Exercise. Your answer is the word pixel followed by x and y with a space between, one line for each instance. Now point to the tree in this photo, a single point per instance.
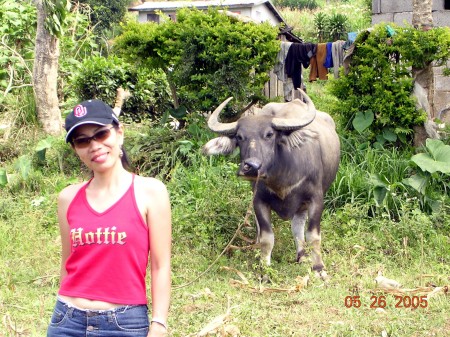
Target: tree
pixel 45 74
pixel 424 77
pixel 51 15
pixel 106 13
pixel 422 14
pixel 207 57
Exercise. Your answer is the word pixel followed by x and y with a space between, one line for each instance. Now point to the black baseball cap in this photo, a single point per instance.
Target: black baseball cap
pixel 92 111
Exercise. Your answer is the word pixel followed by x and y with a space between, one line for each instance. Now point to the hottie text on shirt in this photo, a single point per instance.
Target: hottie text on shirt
pixel 101 236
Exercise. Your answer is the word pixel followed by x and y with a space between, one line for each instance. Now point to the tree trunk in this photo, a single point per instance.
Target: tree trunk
pixel 422 18
pixel 422 14
pixel 45 75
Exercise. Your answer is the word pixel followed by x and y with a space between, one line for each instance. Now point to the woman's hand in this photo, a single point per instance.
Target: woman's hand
pixel 157 330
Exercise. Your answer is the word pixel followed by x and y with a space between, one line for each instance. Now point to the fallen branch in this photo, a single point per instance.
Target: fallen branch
pixel 422 291
pixel 302 282
pixel 216 323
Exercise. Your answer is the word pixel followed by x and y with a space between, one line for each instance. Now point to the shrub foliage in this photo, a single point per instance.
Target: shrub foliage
pixel 207 56
pixel 99 77
pixel 376 93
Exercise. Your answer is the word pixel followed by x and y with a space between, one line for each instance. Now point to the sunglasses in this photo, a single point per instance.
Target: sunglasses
pixel 99 136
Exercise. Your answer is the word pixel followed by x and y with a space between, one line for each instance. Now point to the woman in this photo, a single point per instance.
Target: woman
pixel 109 226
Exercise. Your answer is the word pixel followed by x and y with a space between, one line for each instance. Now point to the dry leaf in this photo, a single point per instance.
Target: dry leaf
pixel 302 282
pixel 243 278
pixel 231 330
pixel 437 291
pixel 216 323
pixel 205 293
pixel 213 325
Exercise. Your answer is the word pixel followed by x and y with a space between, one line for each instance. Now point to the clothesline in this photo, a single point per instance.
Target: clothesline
pixel 320 57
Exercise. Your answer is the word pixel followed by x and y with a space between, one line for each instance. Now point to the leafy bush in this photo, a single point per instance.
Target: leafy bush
pixel 209 202
pixel 28 170
pixel 17 31
pixel 207 56
pixel 76 44
pixel 106 13
pixel 99 77
pixel 320 23
pixel 375 96
pixel 432 177
pixel 330 27
pixel 371 177
pixel 337 26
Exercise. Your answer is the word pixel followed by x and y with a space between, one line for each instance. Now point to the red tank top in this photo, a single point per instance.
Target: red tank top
pixel 109 251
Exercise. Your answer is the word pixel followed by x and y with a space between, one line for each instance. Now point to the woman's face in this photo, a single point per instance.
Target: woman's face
pixel 98 146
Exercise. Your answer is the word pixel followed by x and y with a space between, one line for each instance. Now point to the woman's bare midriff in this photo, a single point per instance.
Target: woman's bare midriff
pixel 84 303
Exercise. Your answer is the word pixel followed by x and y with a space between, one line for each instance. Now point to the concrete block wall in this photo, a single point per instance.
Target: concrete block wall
pixel 400 12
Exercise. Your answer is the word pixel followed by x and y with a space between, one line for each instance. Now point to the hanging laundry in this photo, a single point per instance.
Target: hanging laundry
pixel 317 68
pixel 329 58
pixel 352 36
pixel 299 55
pixel 279 70
pixel 337 50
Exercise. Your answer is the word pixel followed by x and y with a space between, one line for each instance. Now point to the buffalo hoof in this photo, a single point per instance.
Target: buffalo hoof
pixel 301 256
pixel 322 275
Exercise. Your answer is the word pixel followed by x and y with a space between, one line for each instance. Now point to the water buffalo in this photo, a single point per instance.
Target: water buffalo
pixel 290 152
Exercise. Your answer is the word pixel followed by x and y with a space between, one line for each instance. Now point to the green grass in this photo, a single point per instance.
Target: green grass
pixel 360 238
pixel 357 13
pixel 209 203
pixel 354 255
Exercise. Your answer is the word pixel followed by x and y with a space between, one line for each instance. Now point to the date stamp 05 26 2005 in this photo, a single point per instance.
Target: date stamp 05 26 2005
pixel 408 302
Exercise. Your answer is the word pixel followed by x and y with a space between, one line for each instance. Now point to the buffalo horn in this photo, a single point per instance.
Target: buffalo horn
pixel 308 100
pixel 218 127
pixel 291 124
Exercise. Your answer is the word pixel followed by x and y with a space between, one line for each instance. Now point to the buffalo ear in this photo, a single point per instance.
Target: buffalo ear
pixel 220 145
pixel 299 138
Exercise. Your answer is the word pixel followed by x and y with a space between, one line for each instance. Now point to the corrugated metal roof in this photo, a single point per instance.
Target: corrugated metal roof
pixel 152 5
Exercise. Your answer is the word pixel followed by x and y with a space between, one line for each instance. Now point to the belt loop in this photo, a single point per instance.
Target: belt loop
pixel 70 311
pixel 111 315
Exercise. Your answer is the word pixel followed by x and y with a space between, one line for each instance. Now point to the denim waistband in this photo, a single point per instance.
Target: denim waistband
pixel 93 312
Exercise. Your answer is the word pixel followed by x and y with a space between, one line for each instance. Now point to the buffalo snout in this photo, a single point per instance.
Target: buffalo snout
pixel 250 167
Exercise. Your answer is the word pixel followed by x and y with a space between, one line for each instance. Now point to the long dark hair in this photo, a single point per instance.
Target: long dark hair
pixel 126 161
pixel 124 156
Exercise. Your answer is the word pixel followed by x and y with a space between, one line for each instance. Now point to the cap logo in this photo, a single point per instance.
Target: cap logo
pixel 79 111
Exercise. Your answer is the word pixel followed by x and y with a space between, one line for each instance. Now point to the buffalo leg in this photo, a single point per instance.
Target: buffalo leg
pixel 266 237
pixel 298 232
pixel 313 237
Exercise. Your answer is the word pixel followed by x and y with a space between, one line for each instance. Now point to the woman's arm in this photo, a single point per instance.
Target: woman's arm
pixel 160 235
pixel 64 199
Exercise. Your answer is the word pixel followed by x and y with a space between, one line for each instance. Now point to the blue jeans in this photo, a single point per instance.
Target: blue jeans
pixel 67 321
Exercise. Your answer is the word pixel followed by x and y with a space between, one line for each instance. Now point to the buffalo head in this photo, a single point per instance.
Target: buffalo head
pixel 261 138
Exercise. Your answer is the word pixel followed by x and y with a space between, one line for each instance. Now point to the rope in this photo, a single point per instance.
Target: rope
pixel 236 233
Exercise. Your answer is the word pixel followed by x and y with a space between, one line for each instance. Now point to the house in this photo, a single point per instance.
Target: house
pixel 255 10
pixel 399 12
